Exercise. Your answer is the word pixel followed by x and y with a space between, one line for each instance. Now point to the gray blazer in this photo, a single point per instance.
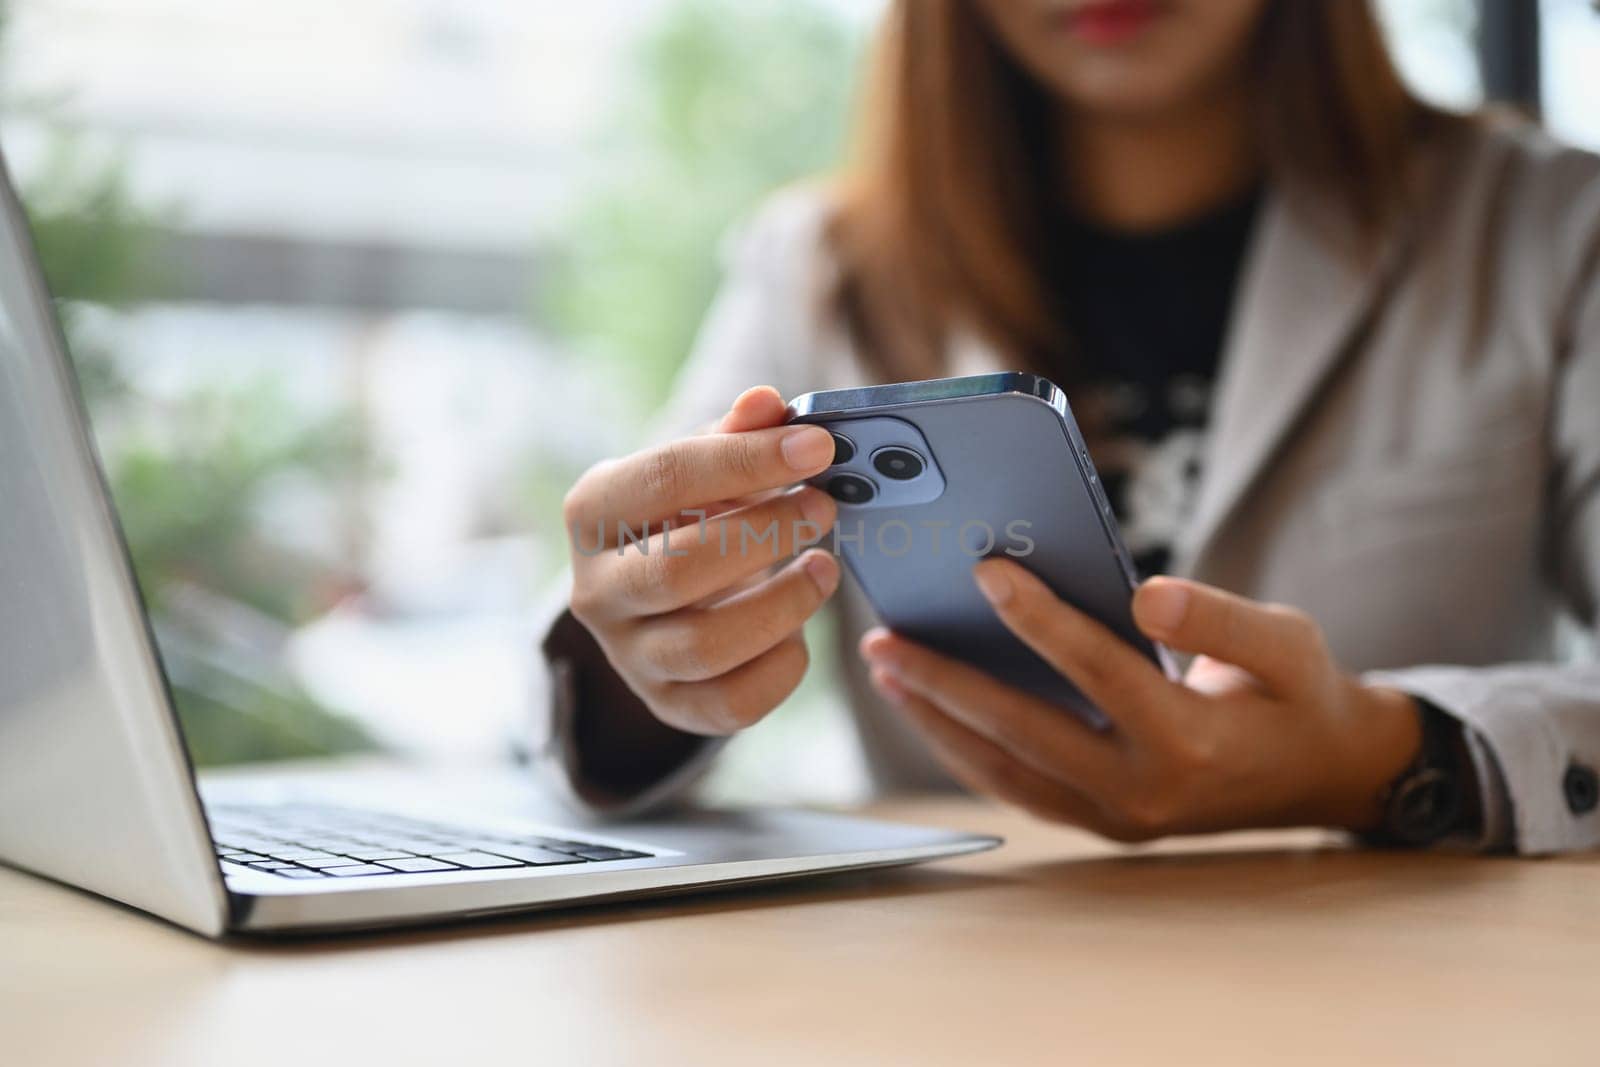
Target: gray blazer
pixel 1405 443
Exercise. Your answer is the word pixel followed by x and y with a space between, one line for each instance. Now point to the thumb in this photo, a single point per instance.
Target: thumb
pixel 755 409
pixel 1279 645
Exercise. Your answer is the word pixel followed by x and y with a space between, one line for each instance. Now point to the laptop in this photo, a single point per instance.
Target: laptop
pixel 97 790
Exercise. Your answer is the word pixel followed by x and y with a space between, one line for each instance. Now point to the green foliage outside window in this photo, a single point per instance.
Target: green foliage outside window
pixel 727 100
pixel 730 100
pixel 188 477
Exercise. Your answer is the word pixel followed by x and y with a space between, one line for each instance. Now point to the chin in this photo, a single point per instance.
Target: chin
pixel 1124 91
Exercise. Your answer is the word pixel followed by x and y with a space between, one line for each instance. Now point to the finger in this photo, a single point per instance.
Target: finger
pixel 740 698
pixel 985 767
pixel 755 409
pixel 687 565
pixel 712 510
pixel 1110 672
pixel 1049 739
pixel 669 479
pixel 1281 646
pixel 698 644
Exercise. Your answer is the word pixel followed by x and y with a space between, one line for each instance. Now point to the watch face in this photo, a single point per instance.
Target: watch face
pixel 1424 807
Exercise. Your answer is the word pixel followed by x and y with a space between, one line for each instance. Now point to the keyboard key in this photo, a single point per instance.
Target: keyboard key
pixel 323 861
pixel 478 860
pixel 250 844
pixel 247 857
pixel 417 864
pixel 541 857
pixel 599 854
pixel 298 854
pixel 570 847
pixel 297 872
pixel 422 846
pixel 360 868
pixel 271 865
pixel 378 854
pixel 515 839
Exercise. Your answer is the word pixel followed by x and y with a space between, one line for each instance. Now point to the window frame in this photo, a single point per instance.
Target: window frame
pixel 1508 46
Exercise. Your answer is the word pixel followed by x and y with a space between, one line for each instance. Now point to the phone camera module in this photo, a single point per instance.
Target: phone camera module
pixel 851 489
pixel 844 450
pixel 901 464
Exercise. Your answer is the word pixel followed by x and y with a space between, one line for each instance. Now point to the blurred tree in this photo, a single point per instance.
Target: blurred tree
pixel 194 473
pixel 90 239
pixel 730 99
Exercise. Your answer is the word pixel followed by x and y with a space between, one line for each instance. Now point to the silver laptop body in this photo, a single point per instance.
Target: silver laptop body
pixel 96 788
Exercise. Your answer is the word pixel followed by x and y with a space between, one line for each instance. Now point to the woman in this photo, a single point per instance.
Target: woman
pixel 1336 351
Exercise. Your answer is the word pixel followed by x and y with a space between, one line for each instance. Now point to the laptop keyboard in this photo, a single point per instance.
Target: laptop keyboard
pixel 304 841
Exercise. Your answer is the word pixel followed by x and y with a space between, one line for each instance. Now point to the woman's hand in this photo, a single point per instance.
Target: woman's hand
pixel 1265 730
pixel 691 619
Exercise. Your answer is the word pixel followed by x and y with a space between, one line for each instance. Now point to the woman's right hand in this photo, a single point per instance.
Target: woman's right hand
pixel 692 620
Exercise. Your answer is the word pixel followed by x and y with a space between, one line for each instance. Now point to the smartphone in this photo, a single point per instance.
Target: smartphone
pixel 933 476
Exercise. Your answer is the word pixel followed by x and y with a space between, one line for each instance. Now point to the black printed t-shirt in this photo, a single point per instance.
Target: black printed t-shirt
pixel 1147 312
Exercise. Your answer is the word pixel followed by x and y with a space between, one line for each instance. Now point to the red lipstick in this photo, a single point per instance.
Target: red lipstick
pixel 1111 22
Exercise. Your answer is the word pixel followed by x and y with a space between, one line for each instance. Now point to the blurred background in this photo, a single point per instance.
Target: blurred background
pixel 357 289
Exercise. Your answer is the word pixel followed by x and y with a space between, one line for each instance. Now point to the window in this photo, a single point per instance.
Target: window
pixel 320 264
pixel 1434 45
pixel 1570 69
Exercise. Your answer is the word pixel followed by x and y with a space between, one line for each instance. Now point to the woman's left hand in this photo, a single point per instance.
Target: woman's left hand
pixel 1264 730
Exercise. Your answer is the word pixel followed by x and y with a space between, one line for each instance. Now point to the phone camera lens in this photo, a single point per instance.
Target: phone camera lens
pixel 901 464
pixel 844 450
pixel 850 489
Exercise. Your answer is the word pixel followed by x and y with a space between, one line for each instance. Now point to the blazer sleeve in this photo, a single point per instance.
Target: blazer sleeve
pixel 760 330
pixel 1534 729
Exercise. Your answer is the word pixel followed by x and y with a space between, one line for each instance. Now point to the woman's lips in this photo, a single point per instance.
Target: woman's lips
pixel 1110 22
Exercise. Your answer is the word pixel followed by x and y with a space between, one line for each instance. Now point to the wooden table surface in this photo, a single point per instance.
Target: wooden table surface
pixel 1271 948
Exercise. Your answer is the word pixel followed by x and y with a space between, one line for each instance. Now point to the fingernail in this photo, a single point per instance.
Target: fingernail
pixel 816 507
pixel 875 647
pixel 995 586
pixel 823 570
pixel 808 448
pixel 1162 606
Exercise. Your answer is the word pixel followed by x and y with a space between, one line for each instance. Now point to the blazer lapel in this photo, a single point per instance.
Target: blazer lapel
pixel 1303 297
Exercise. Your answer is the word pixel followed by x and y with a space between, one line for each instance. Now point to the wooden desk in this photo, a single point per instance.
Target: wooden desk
pixel 1269 948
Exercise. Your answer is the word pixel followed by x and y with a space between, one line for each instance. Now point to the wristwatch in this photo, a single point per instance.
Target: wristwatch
pixel 1428 801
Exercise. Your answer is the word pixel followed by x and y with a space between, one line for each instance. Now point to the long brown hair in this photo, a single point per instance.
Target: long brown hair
pixel 941 217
